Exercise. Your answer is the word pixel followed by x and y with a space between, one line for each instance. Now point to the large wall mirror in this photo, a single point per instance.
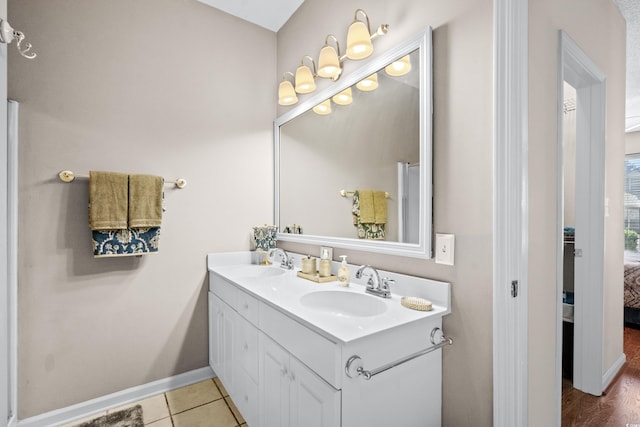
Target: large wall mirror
pixel 381 142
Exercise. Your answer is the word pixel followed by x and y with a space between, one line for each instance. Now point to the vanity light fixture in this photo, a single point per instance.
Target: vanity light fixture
pixel 368 83
pixel 329 65
pixel 359 37
pixel 305 78
pixel 343 98
pixel 399 67
pixel 286 94
pixel 323 108
pixel 330 60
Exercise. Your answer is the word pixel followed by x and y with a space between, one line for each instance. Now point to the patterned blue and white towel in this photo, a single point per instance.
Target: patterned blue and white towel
pixel 126 242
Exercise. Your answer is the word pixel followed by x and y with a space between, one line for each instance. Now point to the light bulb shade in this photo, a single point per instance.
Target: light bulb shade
pixel 368 84
pixel 323 108
pixel 328 63
pixel 358 41
pixel 343 98
pixel 399 68
pixel 304 80
pixel 286 94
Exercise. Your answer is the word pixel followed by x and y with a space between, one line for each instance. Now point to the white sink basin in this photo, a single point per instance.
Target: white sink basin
pixel 256 271
pixel 344 303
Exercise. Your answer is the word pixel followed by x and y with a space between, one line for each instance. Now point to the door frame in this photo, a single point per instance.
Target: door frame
pixel 510 214
pixel 577 69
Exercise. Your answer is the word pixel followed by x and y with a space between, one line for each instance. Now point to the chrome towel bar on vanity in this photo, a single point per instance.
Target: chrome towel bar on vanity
pixel 355 367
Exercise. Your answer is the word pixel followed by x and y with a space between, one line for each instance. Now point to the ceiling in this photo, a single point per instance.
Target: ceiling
pixel 269 14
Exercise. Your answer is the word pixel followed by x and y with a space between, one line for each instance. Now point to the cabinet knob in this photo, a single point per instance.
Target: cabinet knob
pixel 246 398
pixel 284 372
pixel 246 346
pixel 246 306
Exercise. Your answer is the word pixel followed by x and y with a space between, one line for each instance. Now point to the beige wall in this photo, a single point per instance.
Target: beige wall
pixel 600 31
pixel 632 144
pixel 174 88
pixel 463 64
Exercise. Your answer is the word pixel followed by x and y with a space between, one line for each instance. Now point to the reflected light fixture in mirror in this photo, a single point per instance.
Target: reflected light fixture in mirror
pixel 305 78
pixel 286 94
pixel 329 65
pixel 343 98
pixel 323 108
pixel 369 83
pixel 399 67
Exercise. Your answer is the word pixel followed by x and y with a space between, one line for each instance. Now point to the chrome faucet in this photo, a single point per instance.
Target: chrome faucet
pixel 287 261
pixel 375 285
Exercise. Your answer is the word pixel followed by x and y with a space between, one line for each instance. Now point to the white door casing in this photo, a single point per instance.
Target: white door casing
pixel 510 214
pixel 579 71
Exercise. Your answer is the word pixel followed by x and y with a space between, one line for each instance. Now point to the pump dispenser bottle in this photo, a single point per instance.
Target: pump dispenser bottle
pixel 343 272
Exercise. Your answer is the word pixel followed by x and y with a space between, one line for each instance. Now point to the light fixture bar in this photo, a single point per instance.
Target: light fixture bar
pixel 330 61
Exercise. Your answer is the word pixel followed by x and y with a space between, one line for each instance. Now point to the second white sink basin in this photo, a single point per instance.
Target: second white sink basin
pixel 344 303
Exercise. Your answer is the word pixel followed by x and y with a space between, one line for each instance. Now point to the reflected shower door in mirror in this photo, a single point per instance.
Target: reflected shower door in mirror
pixel 357 174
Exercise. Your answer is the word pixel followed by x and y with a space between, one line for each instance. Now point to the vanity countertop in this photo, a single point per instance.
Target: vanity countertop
pixel 283 290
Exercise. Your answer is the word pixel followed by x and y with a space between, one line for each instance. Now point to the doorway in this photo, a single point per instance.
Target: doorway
pixel 578 71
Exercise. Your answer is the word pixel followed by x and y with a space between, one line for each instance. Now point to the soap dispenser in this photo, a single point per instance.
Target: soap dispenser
pixel 343 272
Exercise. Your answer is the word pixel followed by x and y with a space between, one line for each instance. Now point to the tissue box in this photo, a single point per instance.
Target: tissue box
pixel 265 237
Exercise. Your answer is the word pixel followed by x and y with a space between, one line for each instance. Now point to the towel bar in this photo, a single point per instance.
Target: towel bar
pixel 68 176
pixel 354 366
pixel 345 193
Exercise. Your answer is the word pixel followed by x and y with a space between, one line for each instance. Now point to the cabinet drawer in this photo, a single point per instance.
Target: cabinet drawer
pixel 247 348
pixel 247 306
pixel 223 289
pixel 314 350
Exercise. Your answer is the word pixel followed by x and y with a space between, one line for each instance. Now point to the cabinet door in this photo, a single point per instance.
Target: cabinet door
pixel 246 371
pixel 314 403
pixel 273 384
pixel 221 341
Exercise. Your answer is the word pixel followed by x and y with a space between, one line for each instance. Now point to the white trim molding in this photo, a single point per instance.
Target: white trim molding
pixel 510 219
pixel 124 397
pixel 611 373
pixel 13 108
pixel 577 69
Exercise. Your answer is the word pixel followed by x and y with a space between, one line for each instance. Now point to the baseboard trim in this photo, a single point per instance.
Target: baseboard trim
pixel 130 395
pixel 613 371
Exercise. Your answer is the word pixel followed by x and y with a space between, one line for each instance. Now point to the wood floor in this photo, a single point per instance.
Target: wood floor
pixel 619 406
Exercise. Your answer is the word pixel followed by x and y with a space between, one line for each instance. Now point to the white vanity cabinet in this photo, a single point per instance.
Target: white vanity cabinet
pixel 291 394
pixel 286 365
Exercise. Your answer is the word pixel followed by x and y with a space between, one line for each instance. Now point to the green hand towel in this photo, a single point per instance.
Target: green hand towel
pixel 379 207
pixel 145 201
pixel 108 200
pixel 367 207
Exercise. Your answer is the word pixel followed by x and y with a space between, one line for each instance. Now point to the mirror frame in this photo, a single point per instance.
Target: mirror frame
pixel 423 249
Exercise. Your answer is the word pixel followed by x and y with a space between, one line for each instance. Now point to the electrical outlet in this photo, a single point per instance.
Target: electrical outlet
pixel 445 247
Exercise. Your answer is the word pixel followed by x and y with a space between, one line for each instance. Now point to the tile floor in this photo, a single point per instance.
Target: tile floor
pixel 204 404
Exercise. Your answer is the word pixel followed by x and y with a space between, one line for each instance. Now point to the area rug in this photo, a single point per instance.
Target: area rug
pixel 130 417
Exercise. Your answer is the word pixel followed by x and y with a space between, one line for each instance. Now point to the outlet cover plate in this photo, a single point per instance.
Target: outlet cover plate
pixel 445 248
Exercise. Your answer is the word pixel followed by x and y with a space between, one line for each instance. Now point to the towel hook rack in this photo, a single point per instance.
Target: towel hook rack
pixel 8 34
pixel 69 176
